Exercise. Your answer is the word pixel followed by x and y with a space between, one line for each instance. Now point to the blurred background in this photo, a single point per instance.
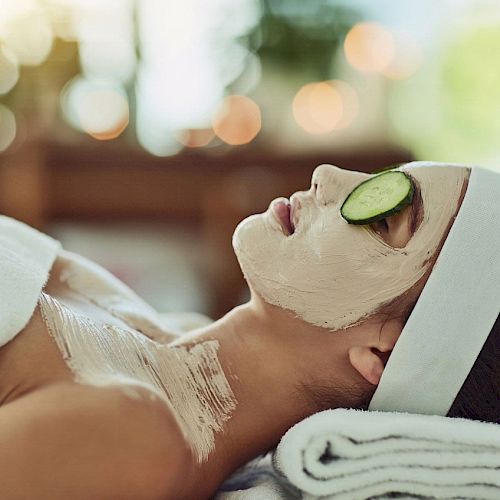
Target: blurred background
pixel 140 132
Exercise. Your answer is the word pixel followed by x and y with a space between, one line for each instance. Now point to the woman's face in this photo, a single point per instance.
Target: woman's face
pixel 332 273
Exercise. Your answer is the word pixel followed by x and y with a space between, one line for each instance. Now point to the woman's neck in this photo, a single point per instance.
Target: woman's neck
pixel 269 368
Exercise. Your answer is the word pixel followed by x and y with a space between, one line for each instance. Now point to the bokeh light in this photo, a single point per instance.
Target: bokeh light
pixel 9 70
pixel 25 29
pixel 369 47
pixel 196 138
pixel 7 127
pixel 98 108
pixel 105 32
pixel 317 107
pixel 407 57
pixel 190 52
pixel 108 58
pixel 62 14
pixel 250 76
pixel 104 114
pixel 238 121
pixel 350 103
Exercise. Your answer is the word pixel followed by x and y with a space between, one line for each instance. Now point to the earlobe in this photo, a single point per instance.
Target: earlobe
pixel 369 360
pixel 367 363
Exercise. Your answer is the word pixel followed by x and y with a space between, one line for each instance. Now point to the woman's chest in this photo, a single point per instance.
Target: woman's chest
pixel 36 357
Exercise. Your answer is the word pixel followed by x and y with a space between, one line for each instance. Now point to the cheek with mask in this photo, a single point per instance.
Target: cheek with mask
pixel 334 274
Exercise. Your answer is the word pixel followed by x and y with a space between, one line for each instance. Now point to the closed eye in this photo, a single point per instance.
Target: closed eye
pixel 382 224
pixel 399 228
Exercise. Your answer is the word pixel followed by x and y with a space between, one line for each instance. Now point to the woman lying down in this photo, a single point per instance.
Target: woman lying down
pixel 99 400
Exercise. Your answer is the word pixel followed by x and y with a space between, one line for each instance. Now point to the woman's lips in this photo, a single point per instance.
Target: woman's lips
pixel 282 210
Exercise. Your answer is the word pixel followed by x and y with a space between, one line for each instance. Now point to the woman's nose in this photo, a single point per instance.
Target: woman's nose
pixel 330 184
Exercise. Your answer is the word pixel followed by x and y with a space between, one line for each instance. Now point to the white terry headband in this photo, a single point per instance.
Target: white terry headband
pixel 455 312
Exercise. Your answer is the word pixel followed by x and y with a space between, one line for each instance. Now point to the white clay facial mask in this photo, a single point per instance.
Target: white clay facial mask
pixel 191 382
pixel 332 273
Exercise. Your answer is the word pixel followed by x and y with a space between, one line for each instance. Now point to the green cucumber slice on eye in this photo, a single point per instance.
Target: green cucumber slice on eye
pixel 377 198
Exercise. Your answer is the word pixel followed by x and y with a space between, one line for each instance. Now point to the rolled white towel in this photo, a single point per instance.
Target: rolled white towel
pixel 355 454
pixel 26 257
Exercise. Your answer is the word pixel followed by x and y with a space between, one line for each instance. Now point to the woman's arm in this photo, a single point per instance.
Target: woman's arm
pixel 73 441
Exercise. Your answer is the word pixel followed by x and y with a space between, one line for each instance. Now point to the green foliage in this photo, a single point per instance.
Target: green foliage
pixel 304 35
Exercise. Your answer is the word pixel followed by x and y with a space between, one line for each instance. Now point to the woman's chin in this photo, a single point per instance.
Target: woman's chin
pixel 246 232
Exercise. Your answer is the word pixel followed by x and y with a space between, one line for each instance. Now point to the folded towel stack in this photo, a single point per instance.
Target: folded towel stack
pixel 355 454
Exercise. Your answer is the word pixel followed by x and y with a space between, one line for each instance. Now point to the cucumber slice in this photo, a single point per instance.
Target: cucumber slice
pixel 377 198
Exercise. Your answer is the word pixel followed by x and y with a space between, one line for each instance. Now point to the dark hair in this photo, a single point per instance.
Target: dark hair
pixel 479 396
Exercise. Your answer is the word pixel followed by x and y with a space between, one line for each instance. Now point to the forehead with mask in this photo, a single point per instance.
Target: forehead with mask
pixel 334 274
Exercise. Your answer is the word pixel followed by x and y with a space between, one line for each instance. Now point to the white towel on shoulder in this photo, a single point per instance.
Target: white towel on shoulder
pixel 26 257
pixel 355 454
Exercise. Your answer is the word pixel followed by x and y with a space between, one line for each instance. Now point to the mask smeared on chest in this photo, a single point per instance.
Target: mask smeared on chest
pixel 192 382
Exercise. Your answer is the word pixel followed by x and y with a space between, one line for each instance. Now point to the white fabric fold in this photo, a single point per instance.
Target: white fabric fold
pixel 355 454
pixel 268 489
pixel 26 257
pixel 257 480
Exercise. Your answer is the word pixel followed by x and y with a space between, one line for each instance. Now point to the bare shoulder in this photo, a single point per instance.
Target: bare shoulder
pixel 71 440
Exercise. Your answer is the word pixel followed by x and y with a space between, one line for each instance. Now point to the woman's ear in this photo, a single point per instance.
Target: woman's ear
pixel 370 359
pixel 369 362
